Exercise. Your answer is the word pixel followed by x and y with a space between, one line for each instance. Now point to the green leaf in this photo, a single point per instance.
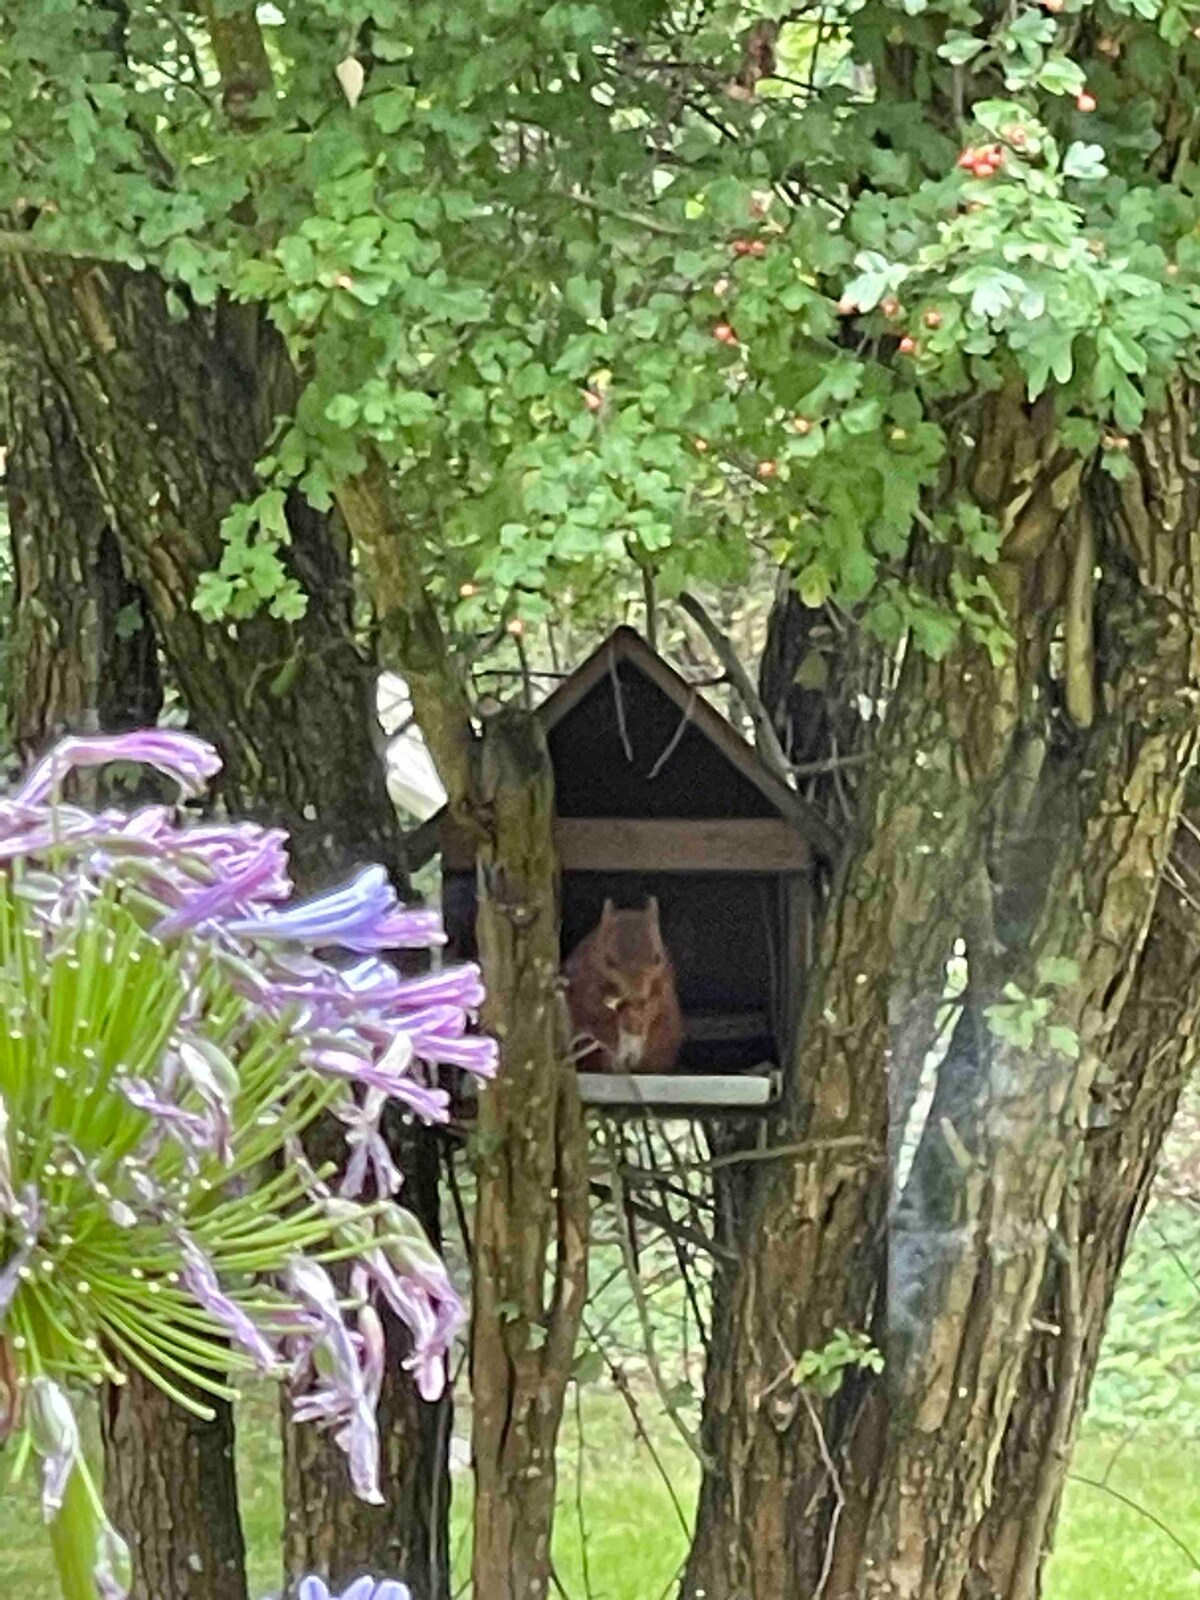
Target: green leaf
pixel 343 410
pixel 1059 972
pixel 1065 1041
pixel 959 48
pixel 1084 161
pixel 1060 75
pixel 583 295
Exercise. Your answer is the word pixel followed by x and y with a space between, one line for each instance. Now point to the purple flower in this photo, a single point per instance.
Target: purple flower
pixel 362 915
pixel 389 1075
pixel 314 1588
pixel 346 1396
pixel 408 1273
pixel 368 1148
pixel 201 1278
pixel 261 874
pixel 190 761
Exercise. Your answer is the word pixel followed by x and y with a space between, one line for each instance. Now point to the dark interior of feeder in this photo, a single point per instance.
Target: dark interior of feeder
pixel 725 935
pixel 595 776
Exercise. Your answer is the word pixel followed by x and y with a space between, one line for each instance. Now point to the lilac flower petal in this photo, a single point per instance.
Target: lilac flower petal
pixel 201 1278
pixel 312 1588
pixel 369 1152
pixel 215 1080
pixel 190 761
pixel 346 1396
pixel 192 1130
pixel 324 920
pixel 475 1053
pixel 391 1589
pixel 360 1589
pixel 256 877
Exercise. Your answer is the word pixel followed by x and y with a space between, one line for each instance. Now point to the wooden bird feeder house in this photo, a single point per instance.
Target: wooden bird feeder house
pixel 657 794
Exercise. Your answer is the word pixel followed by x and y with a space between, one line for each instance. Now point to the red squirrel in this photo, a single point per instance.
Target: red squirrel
pixel 621 995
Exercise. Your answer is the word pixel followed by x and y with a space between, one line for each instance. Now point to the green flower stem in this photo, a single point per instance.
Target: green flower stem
pixel 73 1539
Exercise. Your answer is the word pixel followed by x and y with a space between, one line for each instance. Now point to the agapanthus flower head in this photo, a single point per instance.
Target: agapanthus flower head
pixel 166 1031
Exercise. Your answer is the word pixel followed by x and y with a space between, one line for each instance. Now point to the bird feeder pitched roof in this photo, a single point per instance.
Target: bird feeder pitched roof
pixel 623 653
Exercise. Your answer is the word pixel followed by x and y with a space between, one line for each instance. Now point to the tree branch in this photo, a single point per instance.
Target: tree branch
pixel 411 636
pixel 765 738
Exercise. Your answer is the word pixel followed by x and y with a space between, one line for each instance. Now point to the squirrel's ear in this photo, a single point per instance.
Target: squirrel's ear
pixel 653 922
pixel 607 915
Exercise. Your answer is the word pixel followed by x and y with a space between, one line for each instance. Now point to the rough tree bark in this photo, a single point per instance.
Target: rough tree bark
pixel 168 1482
pixel 530 1236
pixel 524 1340
pixel 170 416
pixel 1152 1055
pixel 880 1490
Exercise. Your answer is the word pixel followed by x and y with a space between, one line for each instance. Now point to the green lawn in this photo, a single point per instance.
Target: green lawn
pixel 634 1540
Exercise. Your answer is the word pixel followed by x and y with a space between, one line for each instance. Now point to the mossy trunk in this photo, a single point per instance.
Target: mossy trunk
pixel 170 415
pixel 530 1240
pixel 1025 807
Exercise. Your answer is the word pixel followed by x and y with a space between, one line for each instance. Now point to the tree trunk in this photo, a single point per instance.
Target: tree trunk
pixel 170 1489
pixel 1027 809
pixel 530 1242
pixel 169 1484
pixel 1151 1058
pixel 171 416
pixel 532 1178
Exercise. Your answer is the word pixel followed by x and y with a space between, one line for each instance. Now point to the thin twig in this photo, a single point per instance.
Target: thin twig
pixel 643 1310
pixel 839 1494
pixel 619 703
pixel 1143 1511
pixel 579 1516
pixel 673 743
pixel 621 1384
pixel 773 1152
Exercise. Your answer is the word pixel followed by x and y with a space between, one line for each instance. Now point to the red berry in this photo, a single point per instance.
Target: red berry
pixel 724 334
pixel 908 345
pixel 742 247
pixel 802 425
pixel 1085 101
pixel 1054 5
pixel 758 247
pixel 767 469
pixel 592 400
pixel 701 445
pixel 932 319
pixel 847 306
pixel 984 168
pixel 968 158
pixel 890 307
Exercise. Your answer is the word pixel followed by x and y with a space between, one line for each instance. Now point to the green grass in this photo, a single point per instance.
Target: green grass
pixel 634 1540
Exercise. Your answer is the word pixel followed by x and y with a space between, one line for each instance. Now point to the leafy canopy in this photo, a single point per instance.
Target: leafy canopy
pixel 626 284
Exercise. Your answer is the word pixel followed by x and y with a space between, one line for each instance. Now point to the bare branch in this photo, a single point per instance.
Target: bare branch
pixel 765 738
